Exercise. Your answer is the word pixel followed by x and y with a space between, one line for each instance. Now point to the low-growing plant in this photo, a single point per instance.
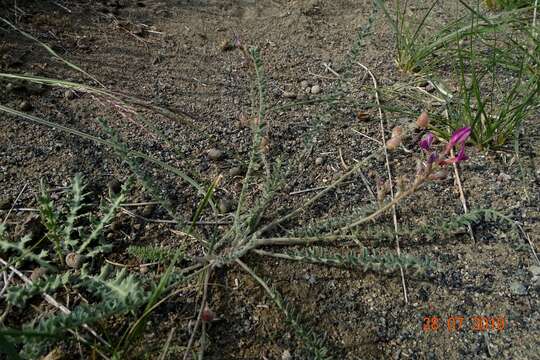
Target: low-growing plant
pixel 259 227
pixel 496 93
pixel 78 236
pixel 421 48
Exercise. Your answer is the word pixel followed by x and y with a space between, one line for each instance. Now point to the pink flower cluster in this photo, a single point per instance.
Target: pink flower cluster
pixel 459 137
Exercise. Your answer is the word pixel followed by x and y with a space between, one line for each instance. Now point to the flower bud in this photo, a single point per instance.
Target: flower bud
pixel 393 143
pixel 397 131
pixel 207 314
pixel 73 260
pixel 423 120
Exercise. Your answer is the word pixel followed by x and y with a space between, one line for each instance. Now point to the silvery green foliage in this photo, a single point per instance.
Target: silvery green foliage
pixel 64 229
pixel 20 250
pixel 385 263
pixel 47 284
pixel 115 293
pixel 152 253
pixel 112 292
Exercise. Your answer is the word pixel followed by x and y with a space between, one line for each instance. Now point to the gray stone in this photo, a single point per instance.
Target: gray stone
pixel 215 154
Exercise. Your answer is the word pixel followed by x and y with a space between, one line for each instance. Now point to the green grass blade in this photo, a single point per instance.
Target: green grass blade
pixel 101 141
pixel 52 52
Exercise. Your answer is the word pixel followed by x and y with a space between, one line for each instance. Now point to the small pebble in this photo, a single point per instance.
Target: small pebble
pixel 315 89
pixel 69 95
pixel 148 210
pixel 25 106
pixel 286 355
pixel 304 84
pixel 143 269
pixel 319 161
pixel 235 171
pixel 114 186
pixel 535 270
pixel 504 177
pixel 225 205
pixel 215 154
pixel 518 288
pixel 116 225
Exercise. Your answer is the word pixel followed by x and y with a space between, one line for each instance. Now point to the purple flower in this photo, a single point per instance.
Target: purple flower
pixel 433 157
pixel 461 156
pixel 426 142
pixel 458 137
pixel 236 41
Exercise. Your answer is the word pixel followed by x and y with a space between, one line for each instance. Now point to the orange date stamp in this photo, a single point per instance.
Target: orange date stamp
pixel 461 323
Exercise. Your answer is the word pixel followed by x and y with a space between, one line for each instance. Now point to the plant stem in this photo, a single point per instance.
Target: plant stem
pixel 388 205
pixel 201 309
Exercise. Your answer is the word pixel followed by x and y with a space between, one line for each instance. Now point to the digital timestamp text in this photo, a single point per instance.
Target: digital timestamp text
pixel 463 323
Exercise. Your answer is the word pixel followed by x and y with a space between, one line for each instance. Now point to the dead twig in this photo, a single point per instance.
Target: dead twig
pixel 367 136
pixel 389 172
pixel 7 279
pixel 14 203
pixel 201 309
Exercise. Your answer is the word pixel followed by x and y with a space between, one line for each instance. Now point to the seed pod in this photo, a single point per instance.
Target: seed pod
pixel 362 116
pixel 265 144
pixel 393 143
pixel 73 260
pixel 397 131
pixel 423 120
pixel 207 314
